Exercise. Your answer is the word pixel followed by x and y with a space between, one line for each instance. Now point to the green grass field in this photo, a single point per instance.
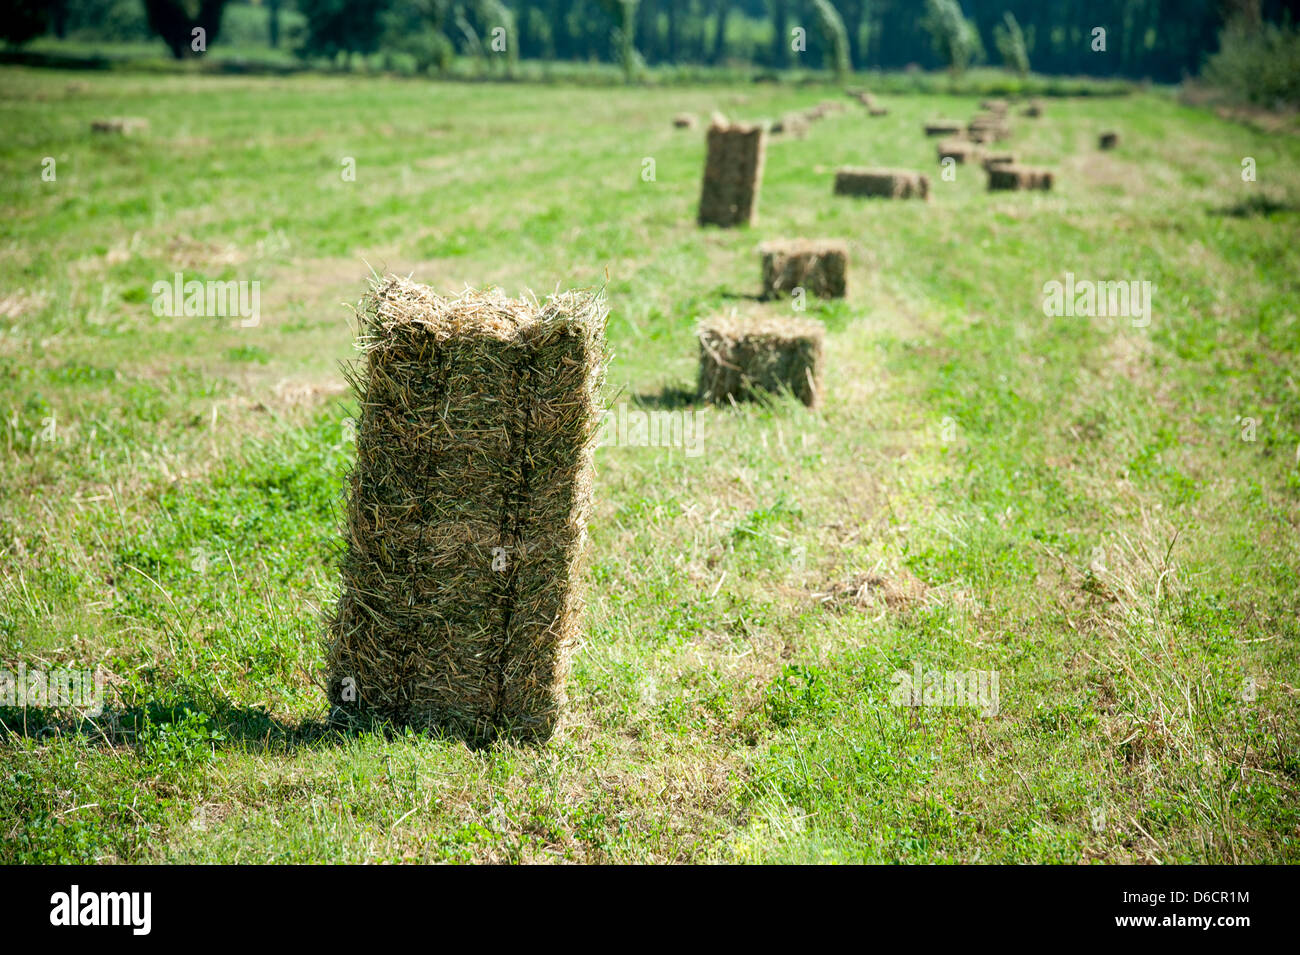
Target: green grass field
pixel 1105 515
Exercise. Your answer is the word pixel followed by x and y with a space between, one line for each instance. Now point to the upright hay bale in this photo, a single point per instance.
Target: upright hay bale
pixel 685 121
pixel 744 359
pixel 467 509
pixel 818 266
pixel 881 183
pixel 1018 177
pixel 943 127
pixel 1108 140
pixel 733 173
pixel 120 125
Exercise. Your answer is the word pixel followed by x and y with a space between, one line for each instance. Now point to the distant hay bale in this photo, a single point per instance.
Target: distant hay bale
pixel 943 127
pixel 733 173
pixel 746 359
pixel 120 125
pixel 987 128
pixel 878 111
pixel 685 121
pixel 863 97
pixel 881 183
pixel 1108 140
pixel 1034 110
pixel 999 159
pixel 467 509
pixel 998 106
pixel 959 150
pixel 1018 177
pixel 818 266
pixel 791 124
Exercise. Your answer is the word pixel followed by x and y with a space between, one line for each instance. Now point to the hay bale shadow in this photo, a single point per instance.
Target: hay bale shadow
pixel 1259 204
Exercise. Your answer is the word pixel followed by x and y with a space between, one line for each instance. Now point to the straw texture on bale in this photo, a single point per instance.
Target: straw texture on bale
pixel 959 150
pixel 881 183
pixel 733 173
pixel 120 125
pixel 1108 140
pixel 685 121
pixel 998 106
pixel 818 266
pixel 745 359
pixel 467 509
pixel 1018 177
pixel 985 129
pixel 943 127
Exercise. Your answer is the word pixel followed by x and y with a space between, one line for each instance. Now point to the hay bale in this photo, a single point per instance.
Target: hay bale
pixel 943 127
pixel 1018 177
pixel 881 183
pixel 997 106
pixel 878 111
pixel 120 125
pixel 467 509
pixel 685 121
pixel 818 266
pixel 791 124
pixel 999 159
pixel 1034 110
pixel 747 359
pixel 1108 140
pixel 959 150
pixel 983 129
pixel 863 97
pixel 733 172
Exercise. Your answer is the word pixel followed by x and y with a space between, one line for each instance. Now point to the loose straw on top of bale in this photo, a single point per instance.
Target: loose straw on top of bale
pixel 749 358
pixel 467 508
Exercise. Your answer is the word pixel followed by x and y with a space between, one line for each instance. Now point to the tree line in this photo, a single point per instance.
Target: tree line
pixel 1163 40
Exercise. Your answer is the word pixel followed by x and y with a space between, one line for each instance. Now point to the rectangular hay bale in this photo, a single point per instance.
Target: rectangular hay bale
pixel 733 173
pixel 818 266
pixel 747 359
pixel 467 506
pixel 881 183
pixel 1018 177
pixel 959 150
pixel 943 127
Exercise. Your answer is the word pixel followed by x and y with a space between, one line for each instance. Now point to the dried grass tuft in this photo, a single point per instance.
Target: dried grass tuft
pixel 749 358
pixel 467 509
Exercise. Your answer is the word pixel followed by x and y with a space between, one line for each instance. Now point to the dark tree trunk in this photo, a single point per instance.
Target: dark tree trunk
pixel 169 20
pixel 721 9
pixel 273 23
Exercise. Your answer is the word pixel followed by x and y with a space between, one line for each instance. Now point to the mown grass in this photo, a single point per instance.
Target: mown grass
pixel 1073 503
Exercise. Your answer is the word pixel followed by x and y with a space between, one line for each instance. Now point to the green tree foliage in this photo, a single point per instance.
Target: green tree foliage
pixel 1010 40
pixel 956 39
pixel 837 38
pixel 1258 62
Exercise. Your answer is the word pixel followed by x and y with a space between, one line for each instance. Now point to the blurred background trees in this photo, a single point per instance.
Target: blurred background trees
pixel 1162 40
